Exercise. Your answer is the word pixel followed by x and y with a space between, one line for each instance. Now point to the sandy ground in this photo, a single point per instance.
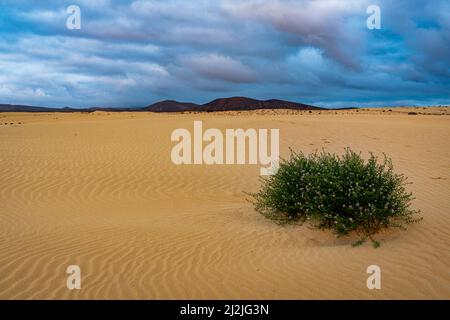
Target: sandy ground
pixel 99 190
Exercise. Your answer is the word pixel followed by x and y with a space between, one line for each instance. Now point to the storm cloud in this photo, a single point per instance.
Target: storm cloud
pixel 133 53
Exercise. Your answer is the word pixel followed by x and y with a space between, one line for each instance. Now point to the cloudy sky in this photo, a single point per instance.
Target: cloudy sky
pixel 134 53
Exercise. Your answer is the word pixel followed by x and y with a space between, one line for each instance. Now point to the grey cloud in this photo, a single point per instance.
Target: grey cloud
pixel 220 67
pixel 135 52
pixel 321 24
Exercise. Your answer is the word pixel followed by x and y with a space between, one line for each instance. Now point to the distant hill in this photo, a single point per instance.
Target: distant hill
pixel 25 108
pixel 20 108
pixel 171 106
pixel 228 104
pixel 242 103
pixel 224 104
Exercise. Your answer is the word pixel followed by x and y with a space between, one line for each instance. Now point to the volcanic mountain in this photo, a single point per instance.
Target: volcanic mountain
pixel 242 103
pixel 224 104
pixel 228 104
pixel 172 106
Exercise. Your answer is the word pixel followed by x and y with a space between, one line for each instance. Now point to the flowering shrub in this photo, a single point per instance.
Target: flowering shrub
pixel 343 194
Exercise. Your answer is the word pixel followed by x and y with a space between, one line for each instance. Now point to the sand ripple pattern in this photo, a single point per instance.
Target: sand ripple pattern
pixel 99 190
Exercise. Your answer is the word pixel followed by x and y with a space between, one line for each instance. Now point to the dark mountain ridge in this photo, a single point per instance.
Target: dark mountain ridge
pixel 222 104
pixel 242 103
pixel 171 106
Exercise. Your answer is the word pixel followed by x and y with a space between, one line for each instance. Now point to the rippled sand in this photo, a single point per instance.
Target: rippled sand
pixel 99 190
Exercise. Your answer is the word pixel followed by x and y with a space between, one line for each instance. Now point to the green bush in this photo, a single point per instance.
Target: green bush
pixel 343 194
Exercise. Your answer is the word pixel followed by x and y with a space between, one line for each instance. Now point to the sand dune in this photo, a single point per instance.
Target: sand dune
pixel 99 190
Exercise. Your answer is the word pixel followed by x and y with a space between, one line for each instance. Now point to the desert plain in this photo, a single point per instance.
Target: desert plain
pixel 99 190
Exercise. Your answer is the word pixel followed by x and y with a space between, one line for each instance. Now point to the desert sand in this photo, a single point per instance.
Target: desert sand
pixel 99 190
